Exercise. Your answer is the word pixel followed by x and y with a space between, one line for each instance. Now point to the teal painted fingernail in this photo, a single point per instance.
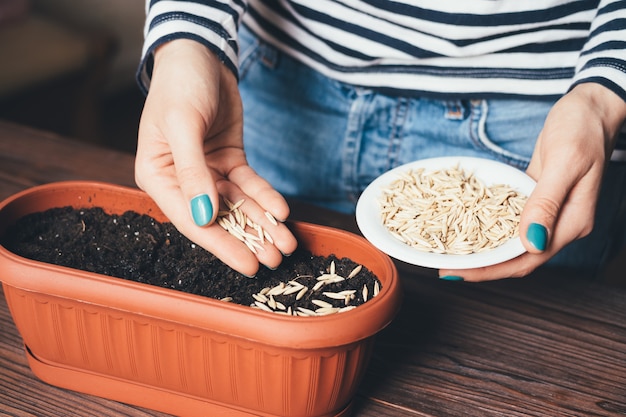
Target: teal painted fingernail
pixel 537 235
pixel 451 278
pixel 201 209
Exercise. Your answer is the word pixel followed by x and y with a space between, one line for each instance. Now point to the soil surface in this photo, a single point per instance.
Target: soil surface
pixel 136 247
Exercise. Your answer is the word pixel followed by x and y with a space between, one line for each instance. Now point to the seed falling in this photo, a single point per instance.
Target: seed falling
pixel 450 211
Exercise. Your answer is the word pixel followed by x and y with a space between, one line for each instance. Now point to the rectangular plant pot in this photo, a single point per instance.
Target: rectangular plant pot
pixel 181 353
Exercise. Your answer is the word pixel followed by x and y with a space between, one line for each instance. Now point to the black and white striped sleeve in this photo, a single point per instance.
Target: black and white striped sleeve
pixel 214 23
pixel 603 58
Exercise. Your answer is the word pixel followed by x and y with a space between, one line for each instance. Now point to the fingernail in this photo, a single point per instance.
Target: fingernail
pixel 201 209
pixel 451 278
pixel 537 235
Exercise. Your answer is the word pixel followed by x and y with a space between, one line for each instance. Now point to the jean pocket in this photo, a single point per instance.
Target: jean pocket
pixel 253 50
pixel 508 129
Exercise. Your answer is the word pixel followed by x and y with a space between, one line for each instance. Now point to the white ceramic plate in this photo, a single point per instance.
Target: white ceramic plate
pixel 488 171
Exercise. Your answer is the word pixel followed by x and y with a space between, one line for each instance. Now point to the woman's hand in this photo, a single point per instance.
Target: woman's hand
pixel 190 154
pixel 568 164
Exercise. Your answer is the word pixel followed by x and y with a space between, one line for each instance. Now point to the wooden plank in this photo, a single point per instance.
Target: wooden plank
pixel 30 157
pixel 533 347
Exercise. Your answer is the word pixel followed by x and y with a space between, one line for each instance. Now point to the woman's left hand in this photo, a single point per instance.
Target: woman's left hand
pixel 568 164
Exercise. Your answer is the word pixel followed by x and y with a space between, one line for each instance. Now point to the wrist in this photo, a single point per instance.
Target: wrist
pixel 610 107
pixel 182 48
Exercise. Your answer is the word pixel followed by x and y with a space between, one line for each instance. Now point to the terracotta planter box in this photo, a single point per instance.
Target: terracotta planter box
pixel 181 353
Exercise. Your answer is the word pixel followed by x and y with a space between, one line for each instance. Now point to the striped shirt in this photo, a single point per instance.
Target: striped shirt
pixel 455 49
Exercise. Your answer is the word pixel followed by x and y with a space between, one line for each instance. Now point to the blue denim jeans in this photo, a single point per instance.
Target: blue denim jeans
pixel 321 141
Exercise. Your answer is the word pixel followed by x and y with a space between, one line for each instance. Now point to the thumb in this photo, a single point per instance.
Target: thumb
pixel 197 187
pixel 194 178
pixel 541 212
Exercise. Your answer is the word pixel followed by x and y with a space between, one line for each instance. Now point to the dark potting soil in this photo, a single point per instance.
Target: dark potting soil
pixel 136 247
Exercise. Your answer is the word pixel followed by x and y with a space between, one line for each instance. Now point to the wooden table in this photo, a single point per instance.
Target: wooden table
pixel 547 345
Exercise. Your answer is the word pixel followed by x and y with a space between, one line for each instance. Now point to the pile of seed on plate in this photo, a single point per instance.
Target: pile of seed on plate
pixel 450 211
pixel 136 247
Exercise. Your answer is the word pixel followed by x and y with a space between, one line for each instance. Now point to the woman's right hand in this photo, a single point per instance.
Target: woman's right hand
pixel 190 155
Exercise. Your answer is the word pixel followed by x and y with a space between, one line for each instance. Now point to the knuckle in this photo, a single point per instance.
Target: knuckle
pixel 189 175
pixel 548 207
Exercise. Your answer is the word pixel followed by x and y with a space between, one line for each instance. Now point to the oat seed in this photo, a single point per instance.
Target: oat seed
pixel 263 306
pixel 354 272
pixel 235 222
pixel 271 218
pixel 321 303
pixel 450 211
pixel 301 293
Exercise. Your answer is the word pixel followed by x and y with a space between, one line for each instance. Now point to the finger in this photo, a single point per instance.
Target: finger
pixel 572 223
pixel 261 191
pixel 230 250
pixel 515 268
pixel 542 209
pixel 213 238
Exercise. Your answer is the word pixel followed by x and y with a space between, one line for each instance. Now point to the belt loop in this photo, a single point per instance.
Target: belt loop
pixel 458 109
pixel 269 56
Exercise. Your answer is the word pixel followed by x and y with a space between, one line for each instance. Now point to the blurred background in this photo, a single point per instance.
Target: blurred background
pixel 68 66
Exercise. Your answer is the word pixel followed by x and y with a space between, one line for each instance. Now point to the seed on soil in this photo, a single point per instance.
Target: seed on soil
pixel 277 290
pixel 339 295
pixel 321 303
pixel 293 289
pixel 262 306
pixel 354 272
pixel 181 266
pixel 301 293
pixel 288 298
pixel 260 298
pixel 323 311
